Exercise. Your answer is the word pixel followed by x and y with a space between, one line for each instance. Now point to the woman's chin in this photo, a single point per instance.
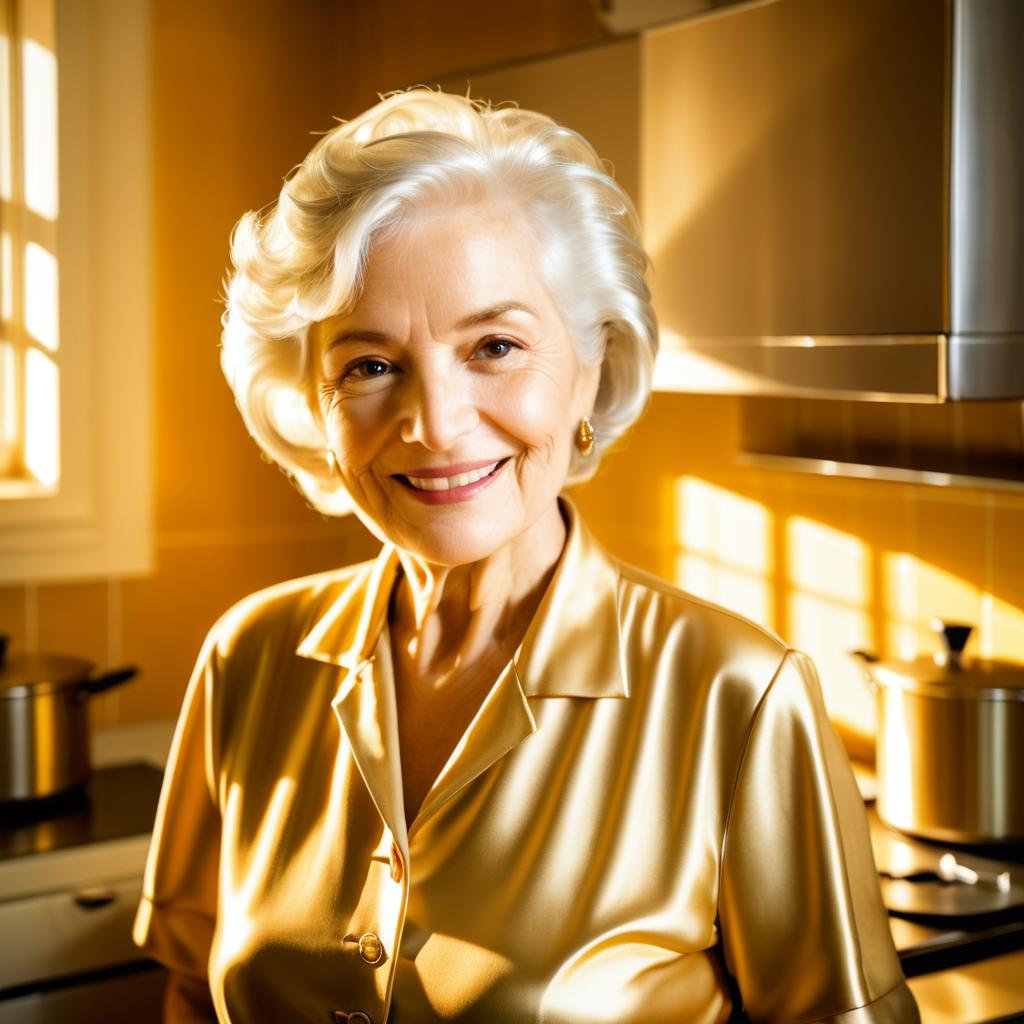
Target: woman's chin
pixel 451 547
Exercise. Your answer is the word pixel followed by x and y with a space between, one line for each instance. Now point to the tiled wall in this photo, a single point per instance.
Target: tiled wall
pixel 831 564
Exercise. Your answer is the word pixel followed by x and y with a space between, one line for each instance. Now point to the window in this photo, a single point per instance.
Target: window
pixel 75 339
pixel 29 336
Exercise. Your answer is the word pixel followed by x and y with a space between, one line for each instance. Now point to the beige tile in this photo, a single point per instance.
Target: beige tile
pixel 73 620
pixel 951 568
pixel 167 616
pixel 1008 584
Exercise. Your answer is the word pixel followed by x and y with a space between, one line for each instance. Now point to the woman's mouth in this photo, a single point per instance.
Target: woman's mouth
pixel 436 489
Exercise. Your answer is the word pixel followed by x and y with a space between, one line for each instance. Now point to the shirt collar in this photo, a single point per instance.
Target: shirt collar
pixel 572 648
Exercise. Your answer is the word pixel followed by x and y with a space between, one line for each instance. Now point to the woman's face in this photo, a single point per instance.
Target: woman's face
pixel 452 391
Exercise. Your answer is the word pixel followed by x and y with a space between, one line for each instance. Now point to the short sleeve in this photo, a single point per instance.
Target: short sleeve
pixel 177 915
pixel 803 928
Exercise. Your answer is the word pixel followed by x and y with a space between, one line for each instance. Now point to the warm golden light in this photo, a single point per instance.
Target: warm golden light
pixel 942 594
pixel 739 591
pixel 898 760
pixel 917 592
pixel 726 542
pixel 6 136
pixel 41 295
pixel 8 406
pixel 724 525
pixel 42 417
pixel 291 417
pixel 6 277
pixel 39 98
pixel 828 613
pixel 900 594
pixel 1007 630
pixel 827 561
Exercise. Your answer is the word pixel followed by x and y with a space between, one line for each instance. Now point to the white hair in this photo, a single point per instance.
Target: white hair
pixel 303 259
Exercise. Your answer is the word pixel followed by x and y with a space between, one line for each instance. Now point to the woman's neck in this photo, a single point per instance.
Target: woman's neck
pixel 445 620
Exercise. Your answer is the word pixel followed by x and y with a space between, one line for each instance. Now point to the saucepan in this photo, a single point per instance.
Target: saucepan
pixel 44 722
pixel 950 748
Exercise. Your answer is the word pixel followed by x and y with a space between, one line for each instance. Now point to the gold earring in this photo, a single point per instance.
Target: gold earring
pixel 585 437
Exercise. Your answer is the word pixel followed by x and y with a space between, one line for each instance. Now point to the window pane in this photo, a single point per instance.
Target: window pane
pixel 8 408
pixel 6 278
pixel 6 141
pixel 39 82
pixel 42 417
pixel 41 295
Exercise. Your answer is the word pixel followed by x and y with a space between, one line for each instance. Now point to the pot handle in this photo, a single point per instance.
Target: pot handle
pixel 867 658
pixel 116 676
pixel 954 639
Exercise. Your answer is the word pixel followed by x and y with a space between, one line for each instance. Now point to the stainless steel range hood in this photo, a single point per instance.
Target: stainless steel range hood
pixel 837 196
pixel 832 190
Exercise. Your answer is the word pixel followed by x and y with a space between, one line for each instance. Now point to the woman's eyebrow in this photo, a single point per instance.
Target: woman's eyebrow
pixel 493 312
pixel 358 334
pixel 481 316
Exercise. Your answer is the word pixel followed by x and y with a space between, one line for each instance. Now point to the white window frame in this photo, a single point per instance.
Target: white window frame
pixel 99 523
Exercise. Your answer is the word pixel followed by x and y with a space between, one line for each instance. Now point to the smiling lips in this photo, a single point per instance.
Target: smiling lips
pixel 450 483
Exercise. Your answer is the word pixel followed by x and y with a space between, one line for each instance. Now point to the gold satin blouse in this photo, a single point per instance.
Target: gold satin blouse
pixel 648 820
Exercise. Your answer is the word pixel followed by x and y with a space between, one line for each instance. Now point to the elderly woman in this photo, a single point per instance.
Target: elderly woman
pixel 495 775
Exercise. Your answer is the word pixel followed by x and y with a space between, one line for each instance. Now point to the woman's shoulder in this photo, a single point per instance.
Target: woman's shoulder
pixel 642 587
pixel 283 612
pixel 708 645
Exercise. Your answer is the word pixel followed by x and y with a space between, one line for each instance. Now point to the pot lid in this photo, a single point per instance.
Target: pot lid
pixel 29 675
pixel 949 673
pixel 973 679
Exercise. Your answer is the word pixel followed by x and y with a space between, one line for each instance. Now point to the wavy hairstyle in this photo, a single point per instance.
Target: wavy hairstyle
pixel 303 259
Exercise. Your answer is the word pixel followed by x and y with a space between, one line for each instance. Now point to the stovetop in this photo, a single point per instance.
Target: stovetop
pixel 937 925
pixel 118 801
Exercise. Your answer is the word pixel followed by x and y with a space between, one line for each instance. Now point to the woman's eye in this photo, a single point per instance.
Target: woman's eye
pixel 496 348
pixel 367 369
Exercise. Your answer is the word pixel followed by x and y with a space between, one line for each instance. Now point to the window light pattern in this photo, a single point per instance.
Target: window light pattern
pixel 29 281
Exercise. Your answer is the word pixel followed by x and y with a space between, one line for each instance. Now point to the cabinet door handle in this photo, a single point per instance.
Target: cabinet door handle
pixel 94 898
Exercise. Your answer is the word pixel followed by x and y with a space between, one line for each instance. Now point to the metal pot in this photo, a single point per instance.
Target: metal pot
pixel 44 725
pixel 950 747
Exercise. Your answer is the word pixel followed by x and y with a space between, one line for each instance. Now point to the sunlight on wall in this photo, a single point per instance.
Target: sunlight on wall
pixel 917 592
pixel 727 549
pixel 826 598
pixel 828 613
pixel 1007 630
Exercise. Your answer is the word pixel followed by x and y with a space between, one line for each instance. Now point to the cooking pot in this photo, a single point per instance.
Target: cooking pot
pixel 44 725
pixel 950 747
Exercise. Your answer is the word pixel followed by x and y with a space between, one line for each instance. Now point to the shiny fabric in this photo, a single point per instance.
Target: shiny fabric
pixel 648 820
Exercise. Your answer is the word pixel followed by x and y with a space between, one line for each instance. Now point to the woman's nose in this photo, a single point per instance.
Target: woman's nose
pixel 438 412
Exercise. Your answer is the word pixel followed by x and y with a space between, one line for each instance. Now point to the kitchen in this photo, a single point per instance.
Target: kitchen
pixel 755 480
